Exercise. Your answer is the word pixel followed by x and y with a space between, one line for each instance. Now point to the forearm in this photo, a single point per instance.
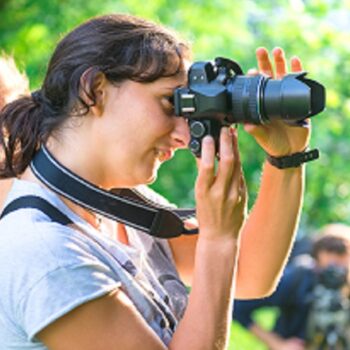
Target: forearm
pixel 272 340
pixel 207 319
pixel 269 231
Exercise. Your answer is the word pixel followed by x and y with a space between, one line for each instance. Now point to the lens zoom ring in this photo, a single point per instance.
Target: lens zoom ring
pixel 254 96
pixel 237 101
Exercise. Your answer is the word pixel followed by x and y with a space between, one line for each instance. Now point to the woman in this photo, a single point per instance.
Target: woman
pixel 12 85
pixel 104 111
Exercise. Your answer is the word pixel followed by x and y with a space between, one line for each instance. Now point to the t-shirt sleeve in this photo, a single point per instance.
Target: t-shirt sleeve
pixel 64 272
pixel 61 291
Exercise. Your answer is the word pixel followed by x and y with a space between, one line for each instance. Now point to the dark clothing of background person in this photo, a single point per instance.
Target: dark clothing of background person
pixel 292 297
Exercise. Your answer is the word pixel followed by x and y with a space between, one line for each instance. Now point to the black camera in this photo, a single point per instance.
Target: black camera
pixel 328 324
pixel 218 94
pixel 333 276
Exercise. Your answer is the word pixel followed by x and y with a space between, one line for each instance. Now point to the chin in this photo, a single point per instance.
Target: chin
pixel 146 174
pixel 151 179
pixel 153 175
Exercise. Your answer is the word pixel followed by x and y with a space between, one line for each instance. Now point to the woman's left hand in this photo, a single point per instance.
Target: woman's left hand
pixel 278 138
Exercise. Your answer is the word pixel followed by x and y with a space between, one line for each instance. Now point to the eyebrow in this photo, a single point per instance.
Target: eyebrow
pixel 174 87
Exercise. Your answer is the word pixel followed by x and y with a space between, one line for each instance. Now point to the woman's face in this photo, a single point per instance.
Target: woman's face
pixel 138 131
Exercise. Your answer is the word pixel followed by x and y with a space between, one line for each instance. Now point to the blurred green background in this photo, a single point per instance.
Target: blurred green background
pixel 315 30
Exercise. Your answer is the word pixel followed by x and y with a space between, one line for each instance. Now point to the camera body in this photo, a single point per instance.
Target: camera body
pixel 219 94
pixel 328 325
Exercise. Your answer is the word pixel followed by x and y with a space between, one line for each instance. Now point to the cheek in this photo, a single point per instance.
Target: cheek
pixel 153 125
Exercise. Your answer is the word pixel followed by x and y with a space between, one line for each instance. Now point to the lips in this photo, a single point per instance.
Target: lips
pixel 164 155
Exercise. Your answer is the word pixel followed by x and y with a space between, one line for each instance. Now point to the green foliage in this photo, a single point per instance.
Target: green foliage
pixel 315 30
pixel 242 339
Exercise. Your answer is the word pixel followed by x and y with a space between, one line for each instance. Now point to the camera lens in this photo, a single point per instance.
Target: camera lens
pixel 260 99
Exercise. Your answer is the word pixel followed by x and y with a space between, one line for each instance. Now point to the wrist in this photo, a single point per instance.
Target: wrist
pixel 225 242
pixel 229 236
pixel 294 160
pixel 223 247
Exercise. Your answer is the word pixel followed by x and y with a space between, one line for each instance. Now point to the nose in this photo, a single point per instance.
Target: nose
pixel 181 132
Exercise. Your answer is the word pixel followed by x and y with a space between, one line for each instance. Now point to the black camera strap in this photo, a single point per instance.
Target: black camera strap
pixel 123 205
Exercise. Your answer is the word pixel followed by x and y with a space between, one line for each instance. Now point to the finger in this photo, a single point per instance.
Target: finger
pixel 295 64
pixel 235 187
pixel 237 169
pixel 225 168
pixel 238 188
pixel 307 122
pixel 264 63
pixel 191 223
pixel 243 188
pixel 256 131
pixel 206 172
pixel 280 62
pixel 198 162
pixel 241 191
pixel 252 72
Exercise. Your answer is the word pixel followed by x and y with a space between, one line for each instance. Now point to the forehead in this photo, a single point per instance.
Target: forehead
pixel 180 79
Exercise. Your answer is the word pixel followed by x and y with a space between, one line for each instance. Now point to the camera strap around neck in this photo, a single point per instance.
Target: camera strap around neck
pixel 127 206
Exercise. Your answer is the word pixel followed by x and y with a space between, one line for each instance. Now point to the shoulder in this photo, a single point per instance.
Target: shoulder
pixel 303 264
pixel 299 276
pixel 29 232
pixel 47 269
pixel 33 248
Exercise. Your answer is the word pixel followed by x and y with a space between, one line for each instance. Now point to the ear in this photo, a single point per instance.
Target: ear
pixel 99 89
pixel 93 87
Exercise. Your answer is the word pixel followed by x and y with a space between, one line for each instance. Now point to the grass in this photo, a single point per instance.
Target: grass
pixel 241 339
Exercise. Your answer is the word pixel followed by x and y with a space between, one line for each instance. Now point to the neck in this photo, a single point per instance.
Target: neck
pixel 80 158
pixel 85 214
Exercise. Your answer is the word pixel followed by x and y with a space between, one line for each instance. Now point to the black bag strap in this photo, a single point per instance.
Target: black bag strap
pixel 39 203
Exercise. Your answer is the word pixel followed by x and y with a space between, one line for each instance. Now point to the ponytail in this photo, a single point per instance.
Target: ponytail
pixel 20 134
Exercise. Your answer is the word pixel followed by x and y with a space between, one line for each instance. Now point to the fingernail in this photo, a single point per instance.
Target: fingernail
pixel 207 139
pixel 233 130
pixel 225 130
pixel 261 50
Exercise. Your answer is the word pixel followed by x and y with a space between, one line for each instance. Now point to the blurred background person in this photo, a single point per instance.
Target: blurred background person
pixel 13 84
pixel 312 298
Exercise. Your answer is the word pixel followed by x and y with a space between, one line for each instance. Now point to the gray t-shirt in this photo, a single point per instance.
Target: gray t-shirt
pixel 47 270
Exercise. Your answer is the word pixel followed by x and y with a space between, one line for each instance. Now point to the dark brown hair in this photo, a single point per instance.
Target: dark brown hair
pixel 119 46
pixel 333 238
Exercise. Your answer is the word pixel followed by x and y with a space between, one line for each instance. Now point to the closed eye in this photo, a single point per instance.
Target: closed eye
pixel 168 103
pixel 170 99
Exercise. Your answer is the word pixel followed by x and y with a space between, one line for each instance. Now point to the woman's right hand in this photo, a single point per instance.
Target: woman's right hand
pixel 221 196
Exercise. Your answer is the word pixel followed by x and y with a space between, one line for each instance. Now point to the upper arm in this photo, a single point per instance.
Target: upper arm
pixel 183 250
pixel 110 322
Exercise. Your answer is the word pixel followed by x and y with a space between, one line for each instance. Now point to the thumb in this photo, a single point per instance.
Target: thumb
pixel 257 131
pixel 206 171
